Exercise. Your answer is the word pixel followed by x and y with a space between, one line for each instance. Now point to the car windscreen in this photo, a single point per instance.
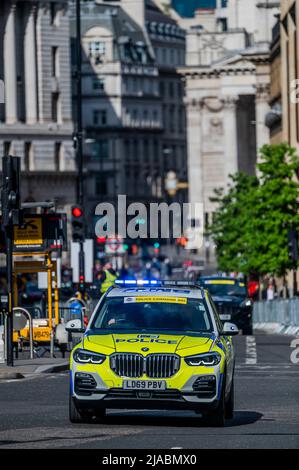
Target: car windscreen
pixel 225 288
pixel 185 315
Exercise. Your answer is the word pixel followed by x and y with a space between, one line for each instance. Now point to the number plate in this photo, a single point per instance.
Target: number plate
pixel 225 317
pixel 144 385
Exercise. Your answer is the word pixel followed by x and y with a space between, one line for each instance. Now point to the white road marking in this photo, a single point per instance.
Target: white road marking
pixel 251 354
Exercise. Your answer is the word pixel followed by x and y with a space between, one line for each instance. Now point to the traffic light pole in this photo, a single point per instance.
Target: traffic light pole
pixel 11 215
pixel 9 319
pixel 78 137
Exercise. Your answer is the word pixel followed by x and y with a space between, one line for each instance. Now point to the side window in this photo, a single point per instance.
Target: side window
pixel 216 315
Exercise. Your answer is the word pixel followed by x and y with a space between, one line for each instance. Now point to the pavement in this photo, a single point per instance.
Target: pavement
pixel 31 367
pixel 34 410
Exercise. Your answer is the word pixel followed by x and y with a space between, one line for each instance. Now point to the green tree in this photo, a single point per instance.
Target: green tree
pixel 254 216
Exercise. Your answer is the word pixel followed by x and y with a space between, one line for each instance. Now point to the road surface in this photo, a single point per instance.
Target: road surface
pixel 34 411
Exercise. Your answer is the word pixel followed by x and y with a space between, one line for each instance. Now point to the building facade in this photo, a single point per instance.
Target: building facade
pixel 274 116
pixel 36 118
pixel 227 93
pixel 133 108
pixel 290 71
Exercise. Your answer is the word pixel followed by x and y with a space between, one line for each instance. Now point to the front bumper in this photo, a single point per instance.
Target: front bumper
pixel 199 391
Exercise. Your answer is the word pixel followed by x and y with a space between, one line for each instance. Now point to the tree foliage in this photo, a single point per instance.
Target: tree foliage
pixel 254 215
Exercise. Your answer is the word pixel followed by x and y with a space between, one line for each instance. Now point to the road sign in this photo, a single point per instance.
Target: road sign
pixel 115 246
pixel 39 233
pixel 30 235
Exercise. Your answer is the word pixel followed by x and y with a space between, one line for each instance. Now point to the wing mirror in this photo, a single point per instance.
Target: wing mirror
pixel 75 326
pixel 229 329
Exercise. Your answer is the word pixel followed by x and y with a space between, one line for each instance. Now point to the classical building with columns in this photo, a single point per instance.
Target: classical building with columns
pixel 36 118
pixel 227 79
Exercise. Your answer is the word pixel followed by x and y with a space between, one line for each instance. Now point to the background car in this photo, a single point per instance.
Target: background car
pixel 232 300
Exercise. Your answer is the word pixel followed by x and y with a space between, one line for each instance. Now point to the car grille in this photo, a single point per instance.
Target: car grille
pixel 227 309
pixel 154 366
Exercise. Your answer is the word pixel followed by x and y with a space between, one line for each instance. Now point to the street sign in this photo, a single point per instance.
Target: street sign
pixel 115 246
pixel 30 235
pixel 39 233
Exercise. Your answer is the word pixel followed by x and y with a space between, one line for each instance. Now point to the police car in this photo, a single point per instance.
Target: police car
pixel 153 345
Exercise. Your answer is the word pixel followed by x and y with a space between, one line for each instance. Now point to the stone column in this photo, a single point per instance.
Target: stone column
pixel 10 72
pixel 261 109
pixel 230 135
pixel 195 164
pixel 30 68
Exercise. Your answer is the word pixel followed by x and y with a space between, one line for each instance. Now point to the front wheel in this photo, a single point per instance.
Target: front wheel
pixel 76 415
pixel 216 418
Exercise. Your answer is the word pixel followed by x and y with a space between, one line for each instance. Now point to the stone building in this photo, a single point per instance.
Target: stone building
pixel 36 118
pixel 227 93
pixel 290 71
pixel 274 116
pixel 133 108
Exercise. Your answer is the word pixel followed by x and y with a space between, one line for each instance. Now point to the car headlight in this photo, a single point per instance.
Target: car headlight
pixel 84 357
pixel 207 360
pixel 246 303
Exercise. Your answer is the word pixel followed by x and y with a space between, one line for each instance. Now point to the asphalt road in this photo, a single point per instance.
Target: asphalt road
pixel 34 411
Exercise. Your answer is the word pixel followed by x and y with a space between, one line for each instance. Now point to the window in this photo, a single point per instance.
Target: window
pixel 101 185
pixel 97 48
pixel 98 83
pixel 57 156
pixel 28 156
pixel 53 13
pixel 99 117
pixel 55 107
pixel 171 90
pixel 145 117
pixel 7 148
pixel 135 117
pixel 100 149
pixel 55 61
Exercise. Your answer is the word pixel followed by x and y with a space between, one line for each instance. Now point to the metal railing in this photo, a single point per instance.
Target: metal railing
pixel 282 311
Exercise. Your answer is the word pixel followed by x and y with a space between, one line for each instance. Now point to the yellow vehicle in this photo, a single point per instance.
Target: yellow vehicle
pixel 153 345
pixel 42 327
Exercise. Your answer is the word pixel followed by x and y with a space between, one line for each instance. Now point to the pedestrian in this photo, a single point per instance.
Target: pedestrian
pixel 107 277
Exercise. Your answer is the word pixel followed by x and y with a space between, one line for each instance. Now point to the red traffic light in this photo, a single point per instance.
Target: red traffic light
pixel 77 212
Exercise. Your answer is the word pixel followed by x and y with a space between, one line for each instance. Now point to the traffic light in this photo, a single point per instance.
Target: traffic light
pixel 156 248
pixel 10 195
pixel 78 224
pixel 293 245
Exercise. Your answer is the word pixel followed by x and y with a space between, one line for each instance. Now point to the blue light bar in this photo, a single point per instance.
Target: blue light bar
pixel 155 282
pixel 139 282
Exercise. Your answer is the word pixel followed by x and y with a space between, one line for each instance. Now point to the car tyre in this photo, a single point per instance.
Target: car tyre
pixel 229 406
pixel 216 418
pixel 78 416
pixel 100 415
pixel 248 330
